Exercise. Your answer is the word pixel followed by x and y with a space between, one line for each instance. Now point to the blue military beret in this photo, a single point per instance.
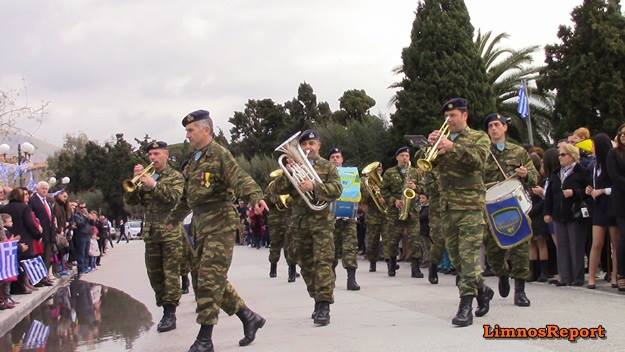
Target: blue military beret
pixel 495 117
pixel 195 116
pixel 308 135
pixel 156 145
pixel 334 150
pixel 455 103
pixel 402 150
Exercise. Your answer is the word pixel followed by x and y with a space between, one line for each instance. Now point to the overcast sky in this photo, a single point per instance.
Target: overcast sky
pixel 139 66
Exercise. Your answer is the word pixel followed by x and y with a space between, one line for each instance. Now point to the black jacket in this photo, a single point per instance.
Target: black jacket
pixel 559 208
pixel 23 224
pixel 46 221
pixel 616 170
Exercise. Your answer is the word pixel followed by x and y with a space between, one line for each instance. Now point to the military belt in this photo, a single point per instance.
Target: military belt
pixel 204 208
pixel 472 181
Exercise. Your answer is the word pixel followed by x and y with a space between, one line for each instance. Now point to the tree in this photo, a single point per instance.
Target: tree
pixel 256 128
pixel 587 69
pixel 304 112
pixel 355 105
pixel 441 62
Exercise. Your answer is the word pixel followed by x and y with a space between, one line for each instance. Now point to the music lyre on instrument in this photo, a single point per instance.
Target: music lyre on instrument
pixel 132 184
pixel 431 152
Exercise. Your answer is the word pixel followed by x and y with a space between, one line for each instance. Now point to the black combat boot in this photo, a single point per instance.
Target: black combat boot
pixel 352 285
pixel 185 284
pixel 520 299
pixel 168 321
pixel 392 262
pixel 273 270
pixel 314 313
pixel 322 317
pixel 416 269
pixel 251 323
pixel 203 342
pixel 504 286
pixel 372 266
pixel 544 269
pixel 292 273
pixel 484 295
pixel 433 274
pixel 464 317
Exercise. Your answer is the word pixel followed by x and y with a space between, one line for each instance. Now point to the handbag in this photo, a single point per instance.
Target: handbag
pixel 580 210
pixel 61 241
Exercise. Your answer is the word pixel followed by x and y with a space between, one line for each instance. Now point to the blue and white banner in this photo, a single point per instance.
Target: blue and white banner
pixel 37 336
pixel 523 107
pixel 8 260
pixel 35 269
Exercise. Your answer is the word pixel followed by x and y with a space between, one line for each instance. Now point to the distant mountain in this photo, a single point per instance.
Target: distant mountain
pixel 43 149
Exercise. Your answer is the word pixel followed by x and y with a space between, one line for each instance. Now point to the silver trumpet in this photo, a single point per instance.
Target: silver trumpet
pixel 299 170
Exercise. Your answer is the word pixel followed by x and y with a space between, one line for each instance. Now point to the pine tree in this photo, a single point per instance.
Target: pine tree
pixel 441 62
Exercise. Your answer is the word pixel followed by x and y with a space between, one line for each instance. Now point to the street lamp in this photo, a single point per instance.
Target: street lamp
pixel 24 151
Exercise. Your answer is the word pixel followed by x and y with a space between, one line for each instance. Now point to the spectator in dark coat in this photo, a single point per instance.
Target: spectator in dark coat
pixel 616 170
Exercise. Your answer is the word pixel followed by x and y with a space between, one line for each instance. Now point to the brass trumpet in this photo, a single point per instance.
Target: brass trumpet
pixel 407 196
pixel 425 163
pixel 132 184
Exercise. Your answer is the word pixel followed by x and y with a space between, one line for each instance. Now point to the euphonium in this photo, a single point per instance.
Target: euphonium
pixel 132 184
pixel 300 170
pixel 407 196
pixel 431 152
pixel 372 182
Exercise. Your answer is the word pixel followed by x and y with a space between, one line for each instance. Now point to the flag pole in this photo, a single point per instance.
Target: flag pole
pixel 529 114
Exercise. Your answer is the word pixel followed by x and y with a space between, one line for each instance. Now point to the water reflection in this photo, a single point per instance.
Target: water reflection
pixel 81 316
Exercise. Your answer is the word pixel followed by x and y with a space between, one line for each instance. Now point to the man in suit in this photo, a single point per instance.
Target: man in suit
pixel 43 211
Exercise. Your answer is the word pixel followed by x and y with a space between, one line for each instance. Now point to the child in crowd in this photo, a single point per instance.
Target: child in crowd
pixel 6 301
pixel 94 249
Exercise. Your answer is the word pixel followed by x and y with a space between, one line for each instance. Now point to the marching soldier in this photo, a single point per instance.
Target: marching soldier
pixel 514 160
pixel 437 247
pixel 209 175
pixel 345 238
pixel 375 220
pixel 460 162
pixel 313 229
pixel 278 221
pixel 396 180
pixel 158 195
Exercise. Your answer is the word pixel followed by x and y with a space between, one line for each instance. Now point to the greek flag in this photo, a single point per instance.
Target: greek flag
pixel 35 269
pixel 8 260
pixel 37 336
pixel 523 107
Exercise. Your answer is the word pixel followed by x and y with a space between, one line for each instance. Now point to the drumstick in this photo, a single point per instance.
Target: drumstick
pixel 505 176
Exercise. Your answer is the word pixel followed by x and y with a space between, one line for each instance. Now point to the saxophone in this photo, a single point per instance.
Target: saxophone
pixel 407 196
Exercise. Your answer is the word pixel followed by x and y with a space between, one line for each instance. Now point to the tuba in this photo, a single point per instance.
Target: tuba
pixel 407 196
pixel 425 163
pixel 132 184
pixel 372 182
pixel 300 170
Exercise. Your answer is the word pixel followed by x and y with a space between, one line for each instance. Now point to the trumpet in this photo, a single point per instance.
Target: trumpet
pixel 300 170
pixel 425 163
pixel 372 182
pixel 132 184
pixel 407 196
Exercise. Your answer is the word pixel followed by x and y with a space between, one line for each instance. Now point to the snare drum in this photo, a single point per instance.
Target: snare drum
pixel 511 188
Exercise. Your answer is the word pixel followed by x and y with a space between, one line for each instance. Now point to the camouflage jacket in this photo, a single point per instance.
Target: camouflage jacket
pixel 374 216
pixel 393 188
pixel 510 158
pixel 329 190
pixel 461 171
pixel 431 186
pixel 157 203
pixel 211 176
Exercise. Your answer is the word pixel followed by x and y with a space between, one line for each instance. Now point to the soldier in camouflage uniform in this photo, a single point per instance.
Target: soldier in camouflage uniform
pixel 396 179
pixel 158 195
pixel 514 160
pixel 210 176
pixel 185 261
pixel 461 162
pixel 375 220
pixel 312 230
pixel 345 239
pixel 431 187
pixel 278 221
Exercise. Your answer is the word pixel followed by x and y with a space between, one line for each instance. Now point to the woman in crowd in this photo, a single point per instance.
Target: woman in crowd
pixel 616 170
pixel 539 253
pixel 602 215
pixel 61 212
pixel 564 206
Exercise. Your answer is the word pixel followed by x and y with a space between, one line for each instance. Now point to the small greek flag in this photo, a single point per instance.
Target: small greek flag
pixel 523 107
pixel 37 336
pixel 8 260
pixel 35 269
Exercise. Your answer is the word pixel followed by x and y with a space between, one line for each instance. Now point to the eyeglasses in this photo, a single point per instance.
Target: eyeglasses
pixel 562 155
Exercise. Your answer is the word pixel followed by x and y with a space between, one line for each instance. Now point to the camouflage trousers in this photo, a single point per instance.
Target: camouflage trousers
pixel 280 240
pixel 162 261
pixel 437 247
pixel 345 243
pixel 519 258
pixel 464 232
pixel 314 242
pixel 395 230
pixel 374 232
pixel 185 259
pixel 209 274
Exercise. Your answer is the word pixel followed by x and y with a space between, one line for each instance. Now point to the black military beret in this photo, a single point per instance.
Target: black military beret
pixel 455 103
pixel 495 117
pixel 334 150
pixel 402 150
pixel 308 135
pixel 195 116
pixel 156 145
